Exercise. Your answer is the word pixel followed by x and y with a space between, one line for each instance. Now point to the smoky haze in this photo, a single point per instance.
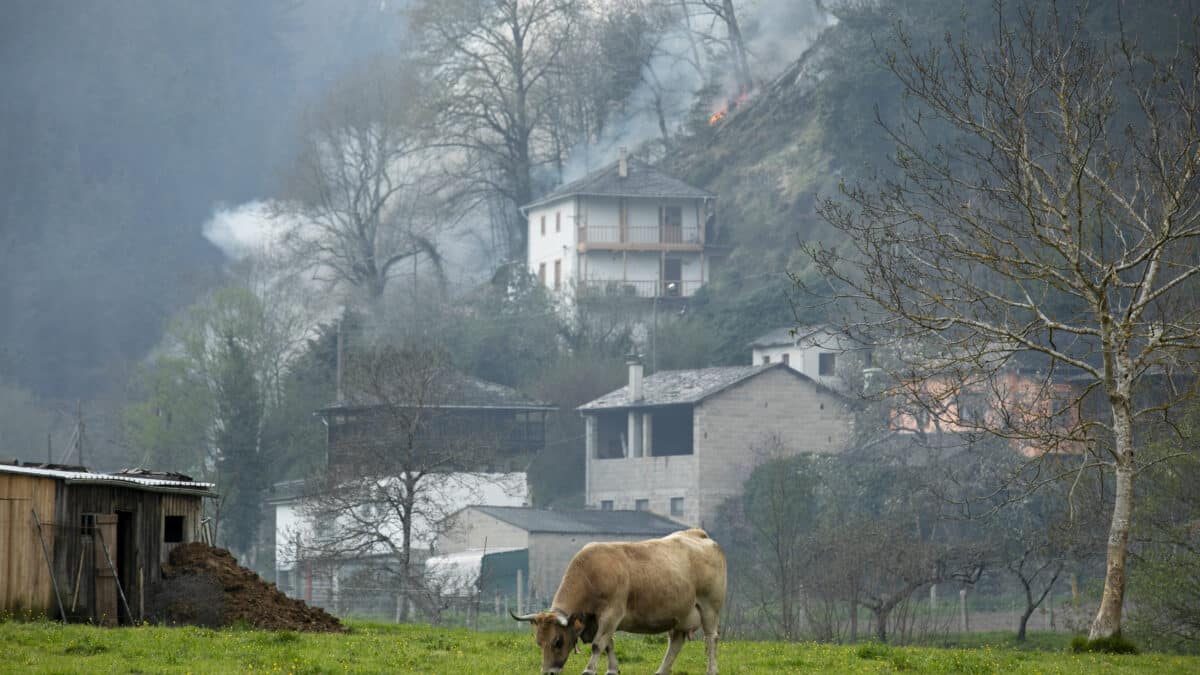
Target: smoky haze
pixel 122 125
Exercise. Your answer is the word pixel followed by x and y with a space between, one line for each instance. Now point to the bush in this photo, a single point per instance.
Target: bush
pixel 1108 645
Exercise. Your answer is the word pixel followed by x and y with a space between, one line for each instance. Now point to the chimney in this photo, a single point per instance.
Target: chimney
pixel 340 364
pixel 623 165
pixel 635 376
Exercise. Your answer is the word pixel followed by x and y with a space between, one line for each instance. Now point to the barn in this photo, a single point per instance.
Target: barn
pixel 82 545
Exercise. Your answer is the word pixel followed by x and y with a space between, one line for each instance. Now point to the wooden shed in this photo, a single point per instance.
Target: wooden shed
pixel 89 546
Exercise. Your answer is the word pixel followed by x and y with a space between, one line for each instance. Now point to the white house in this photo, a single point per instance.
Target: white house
pixel 625 230
pixel 816 351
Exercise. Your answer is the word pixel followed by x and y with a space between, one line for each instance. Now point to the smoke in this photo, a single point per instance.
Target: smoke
pixel 243 231
pixel 777 33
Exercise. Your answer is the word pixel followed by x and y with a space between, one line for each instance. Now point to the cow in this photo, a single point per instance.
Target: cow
pixel 672 585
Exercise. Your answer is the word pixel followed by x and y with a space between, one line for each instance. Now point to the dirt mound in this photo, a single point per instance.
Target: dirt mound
pixel 246 596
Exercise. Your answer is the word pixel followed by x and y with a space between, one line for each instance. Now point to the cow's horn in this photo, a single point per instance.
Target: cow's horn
pixel 525 617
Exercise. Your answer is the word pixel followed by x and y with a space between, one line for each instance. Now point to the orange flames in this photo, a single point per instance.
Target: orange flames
pixel 729 105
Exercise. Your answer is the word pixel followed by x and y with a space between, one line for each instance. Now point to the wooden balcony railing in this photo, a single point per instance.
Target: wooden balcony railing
pixel 648 288
pixel 639 234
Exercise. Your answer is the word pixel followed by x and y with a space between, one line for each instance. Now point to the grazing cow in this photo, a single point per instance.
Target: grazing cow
pixel 671 585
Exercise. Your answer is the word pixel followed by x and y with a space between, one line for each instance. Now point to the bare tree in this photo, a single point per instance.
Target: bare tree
pixel 723 11
pixel 401 468
pixel 493 64
pixel 1045 205
pixel 367 192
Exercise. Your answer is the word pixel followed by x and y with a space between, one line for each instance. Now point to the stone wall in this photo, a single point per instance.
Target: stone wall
pixel 733 428
pixel 657 479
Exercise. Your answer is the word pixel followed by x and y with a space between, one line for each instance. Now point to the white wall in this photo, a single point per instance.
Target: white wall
pixel 443 495
pixel 804 355
pixel 554 245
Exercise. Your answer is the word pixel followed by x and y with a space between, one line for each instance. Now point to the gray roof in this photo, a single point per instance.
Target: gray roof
pixel 677 387
pixel 461 391
pixel 635 523
pixel 642 180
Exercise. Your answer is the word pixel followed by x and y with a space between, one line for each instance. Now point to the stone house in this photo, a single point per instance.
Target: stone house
pixel 551 539
pixel 680 442
pixel 627 230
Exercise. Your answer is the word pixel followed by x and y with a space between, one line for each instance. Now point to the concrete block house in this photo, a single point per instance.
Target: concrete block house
pixel 679 443
pixel 627 230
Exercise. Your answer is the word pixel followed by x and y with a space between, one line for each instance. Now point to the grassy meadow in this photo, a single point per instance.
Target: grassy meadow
pixel 43 647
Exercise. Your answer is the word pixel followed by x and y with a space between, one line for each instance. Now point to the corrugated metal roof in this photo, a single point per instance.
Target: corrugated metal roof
pixel 88 477
pixel 676 387
pixel 637 523
pixel 642 180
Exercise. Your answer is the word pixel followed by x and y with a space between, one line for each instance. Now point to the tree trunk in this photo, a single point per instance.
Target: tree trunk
pixel 881 617
pixel 853 621
pixel 738 46
pixel 1108 618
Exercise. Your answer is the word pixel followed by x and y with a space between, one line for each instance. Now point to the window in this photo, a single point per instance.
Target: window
pixel 766 359
pixel 606 505
pixel 641 505
pixel 558 221
pixel 542 274
pixel 787 359
pixel 543 224
pixel 677 506
pixel 826 363
pixel 87 524
pixel 557 274
pixel 172 529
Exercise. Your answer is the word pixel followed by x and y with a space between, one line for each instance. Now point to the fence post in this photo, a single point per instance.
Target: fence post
pixel 520 592
pixel 962 608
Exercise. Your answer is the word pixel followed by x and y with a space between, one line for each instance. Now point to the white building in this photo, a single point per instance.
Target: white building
pixel 626 230
pixel 816 351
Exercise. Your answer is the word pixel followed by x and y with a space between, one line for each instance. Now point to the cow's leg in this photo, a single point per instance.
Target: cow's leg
pixel 709 618
pixel 600 645
pixel 674 643
pixel 611 650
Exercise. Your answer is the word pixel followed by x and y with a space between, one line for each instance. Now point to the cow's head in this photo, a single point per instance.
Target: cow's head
pixel 557 634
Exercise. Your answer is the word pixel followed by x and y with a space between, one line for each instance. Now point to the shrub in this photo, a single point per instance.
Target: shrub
pixel 1108 645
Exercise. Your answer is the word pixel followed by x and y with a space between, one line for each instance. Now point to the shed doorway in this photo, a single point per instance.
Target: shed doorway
pixel 126 561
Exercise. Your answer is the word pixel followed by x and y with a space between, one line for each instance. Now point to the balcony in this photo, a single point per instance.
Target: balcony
pixel 649 288
pixel 640 237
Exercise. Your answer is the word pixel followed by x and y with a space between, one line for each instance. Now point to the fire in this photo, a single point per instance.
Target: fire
pixel 716 117
pixel 730 104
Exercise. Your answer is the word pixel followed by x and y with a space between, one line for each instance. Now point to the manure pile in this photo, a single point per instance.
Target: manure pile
pixel 205 585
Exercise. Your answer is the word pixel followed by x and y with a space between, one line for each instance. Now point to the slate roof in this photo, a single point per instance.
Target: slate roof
pixel 461 391
pixel 640 523
pixel 677 387
pixel 642 180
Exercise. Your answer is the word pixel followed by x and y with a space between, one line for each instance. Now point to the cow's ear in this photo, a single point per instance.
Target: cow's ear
pixel 586 625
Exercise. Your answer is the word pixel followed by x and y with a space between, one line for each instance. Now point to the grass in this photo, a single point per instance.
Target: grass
pixel 43 647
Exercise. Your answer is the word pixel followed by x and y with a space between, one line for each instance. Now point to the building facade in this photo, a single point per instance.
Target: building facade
pixel 820 352
pixel 550 538
pixel 679 443
pixel 627 230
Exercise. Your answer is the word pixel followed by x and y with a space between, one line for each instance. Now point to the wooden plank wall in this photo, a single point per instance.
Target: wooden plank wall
pixel 25 582
pixel 148 509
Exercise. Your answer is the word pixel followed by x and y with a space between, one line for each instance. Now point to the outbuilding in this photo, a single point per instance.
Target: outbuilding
pixel 82 545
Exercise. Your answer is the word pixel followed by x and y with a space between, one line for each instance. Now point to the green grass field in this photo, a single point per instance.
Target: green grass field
pixel 42 647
